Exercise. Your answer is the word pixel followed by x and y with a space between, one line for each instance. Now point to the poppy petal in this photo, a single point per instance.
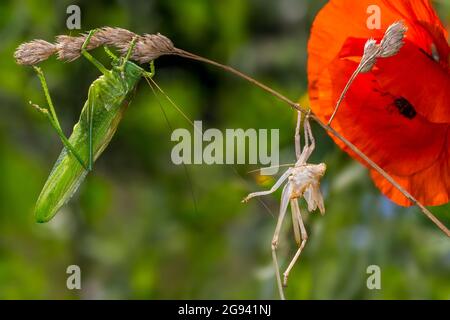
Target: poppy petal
pixel 430 186
pixel 340 19
pixel 430 98
pixel 418 78
pixel 397 114
pixel 370 120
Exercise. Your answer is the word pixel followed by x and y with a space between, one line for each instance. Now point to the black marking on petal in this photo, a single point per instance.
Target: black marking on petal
pixel 405 108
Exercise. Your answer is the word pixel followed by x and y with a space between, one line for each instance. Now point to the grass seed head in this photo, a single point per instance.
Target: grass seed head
pixel 393 39
pixel 369 59
pixel 148 47
pixel 33 52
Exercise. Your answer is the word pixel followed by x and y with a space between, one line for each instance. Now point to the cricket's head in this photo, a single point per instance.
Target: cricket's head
pixel 127 71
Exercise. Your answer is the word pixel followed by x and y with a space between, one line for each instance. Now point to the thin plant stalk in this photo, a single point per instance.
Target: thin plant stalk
pixel 150 47
pixel 361 66
pixel 327 128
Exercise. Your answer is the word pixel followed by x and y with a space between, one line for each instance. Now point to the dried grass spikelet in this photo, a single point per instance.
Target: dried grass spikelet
pixel 69 48
pixel 33 52
pixel 369 59
pixel 389 46
pixel 147 47
pixel 113 36
pixel 393 39
pixel 151 46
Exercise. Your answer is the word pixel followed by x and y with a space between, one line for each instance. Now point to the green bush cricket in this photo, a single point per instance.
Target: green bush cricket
pixel 108 98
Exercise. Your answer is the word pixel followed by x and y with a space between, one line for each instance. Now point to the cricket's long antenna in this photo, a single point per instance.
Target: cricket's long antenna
pixel 150 81
pixel 257 199
pixel 188 176
pixel 272 167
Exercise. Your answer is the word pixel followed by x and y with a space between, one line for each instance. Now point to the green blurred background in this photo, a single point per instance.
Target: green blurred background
pixel 134 227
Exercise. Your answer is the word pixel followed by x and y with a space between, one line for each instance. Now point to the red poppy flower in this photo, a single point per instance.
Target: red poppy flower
pixel 399 113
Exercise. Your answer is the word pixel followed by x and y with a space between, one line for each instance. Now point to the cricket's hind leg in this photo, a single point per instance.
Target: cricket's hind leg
pixel 275 240
pixel 298 146
pixel 50 113
pixel 310 142
pixel 90 110
pixel 300 237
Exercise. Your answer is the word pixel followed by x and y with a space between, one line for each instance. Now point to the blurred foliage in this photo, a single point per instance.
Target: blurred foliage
pixel 134 228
